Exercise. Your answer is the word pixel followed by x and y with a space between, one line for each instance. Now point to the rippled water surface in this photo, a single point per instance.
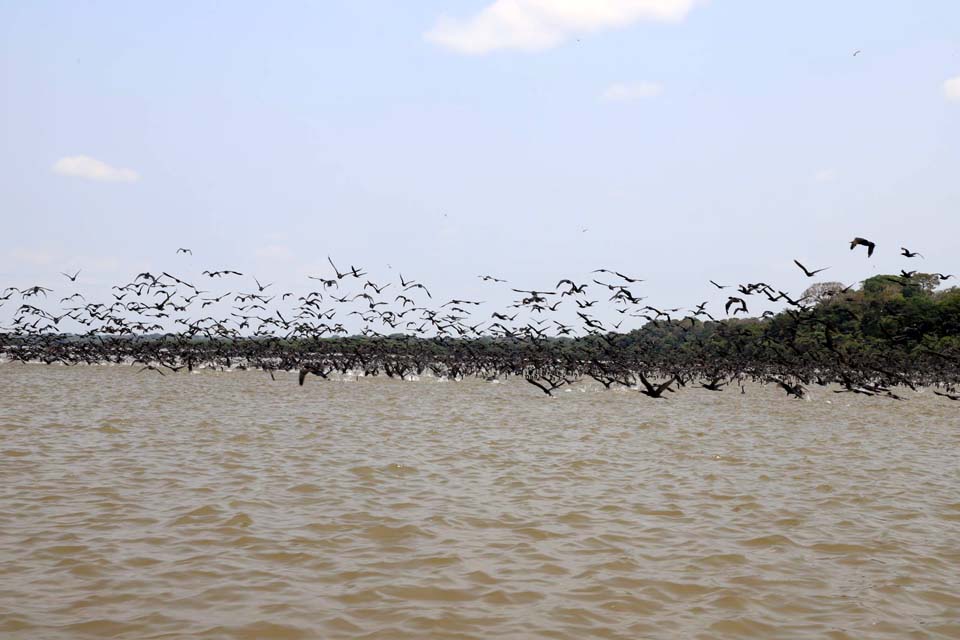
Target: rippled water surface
pixel 227 505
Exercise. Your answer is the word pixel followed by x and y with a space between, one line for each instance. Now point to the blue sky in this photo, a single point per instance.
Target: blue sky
pixel 693 140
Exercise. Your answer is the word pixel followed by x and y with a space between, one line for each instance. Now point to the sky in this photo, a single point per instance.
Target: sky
pixel 674 140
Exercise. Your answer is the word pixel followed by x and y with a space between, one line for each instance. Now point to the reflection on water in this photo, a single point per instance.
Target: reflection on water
pixel 225 505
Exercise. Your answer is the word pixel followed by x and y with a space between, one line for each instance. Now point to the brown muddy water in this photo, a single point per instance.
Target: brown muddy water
pixel 227 505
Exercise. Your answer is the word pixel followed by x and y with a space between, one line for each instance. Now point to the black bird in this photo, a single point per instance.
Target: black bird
pixel 719 286
pixel 34 291
pixel 490 278
pixel 326 282
pixel 617 273
pixel 340 276
pixel 944 276
pixel 459 302
pixel 375 287
pixel 573 287
pixel 909 254
pixel 864 242
pixel 654 390
pixel 731 300
pixel 795 390
pixel 150 367
pixel 628 278
pixel 182 250
pixel 809 273
pixel 417 285
pixel 261 287
pixel 72 278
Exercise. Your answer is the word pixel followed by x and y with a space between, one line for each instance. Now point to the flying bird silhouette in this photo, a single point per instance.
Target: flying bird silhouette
pixel 863 242
pixel 809 273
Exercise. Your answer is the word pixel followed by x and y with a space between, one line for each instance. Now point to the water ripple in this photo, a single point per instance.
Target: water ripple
pixel 232 506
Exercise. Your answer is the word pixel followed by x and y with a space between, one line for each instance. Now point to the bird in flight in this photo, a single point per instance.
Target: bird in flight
pixel 618 274
pixel 909 254
pixel 719 286
pixel 864 242
pixel 809 273
pixel 72 278
pixel 731 300
pixel 182 250
pixel 856 53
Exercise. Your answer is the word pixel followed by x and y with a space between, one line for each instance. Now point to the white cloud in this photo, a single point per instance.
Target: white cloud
pixel 951 89
pixel 93 169
pixel 534 25
pixel 628 92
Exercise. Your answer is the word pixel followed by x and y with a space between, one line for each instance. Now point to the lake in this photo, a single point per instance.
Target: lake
pixel 230 505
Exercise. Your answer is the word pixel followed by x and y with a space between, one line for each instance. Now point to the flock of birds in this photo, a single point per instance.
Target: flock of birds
pixel 151 322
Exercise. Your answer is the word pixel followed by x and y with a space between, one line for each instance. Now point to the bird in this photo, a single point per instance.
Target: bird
pixel 72 278
pixel 378 288
pixel 864 242
pixel 400 338
pixel 909 254
pixel 856 53
pixel 732 300
pixel 573 287
pixel 795 390
pixel 417 285
pixel 654 390
pixel 809 273
pixel 340 276
pixel 618 274
pixel 326 282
